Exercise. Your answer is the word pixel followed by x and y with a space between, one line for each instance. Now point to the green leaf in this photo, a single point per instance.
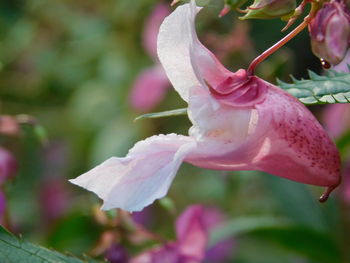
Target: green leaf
pixel 243 225
pixel 170 113
pixel 314 245
pixel 14 250
pixel 304 241
pixel 334 87
pixel 296 202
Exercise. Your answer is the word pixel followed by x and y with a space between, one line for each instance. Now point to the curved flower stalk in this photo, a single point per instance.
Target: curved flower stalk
pixel 240 122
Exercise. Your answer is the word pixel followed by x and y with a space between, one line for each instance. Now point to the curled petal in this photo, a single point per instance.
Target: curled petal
pixel 144 175
pixel 189 64
pixel 149 88
pixel 186 61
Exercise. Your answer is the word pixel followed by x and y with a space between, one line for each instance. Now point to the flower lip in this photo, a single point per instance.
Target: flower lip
pixel 239 89
pixel 230 84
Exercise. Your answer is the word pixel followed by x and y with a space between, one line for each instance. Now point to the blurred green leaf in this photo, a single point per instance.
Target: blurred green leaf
pixel 169 113
pixel 304 241
pixel 243 225
pixel 15 250
pixel 334 87
pixel 296 202
pixel 76 232
pixel 115 139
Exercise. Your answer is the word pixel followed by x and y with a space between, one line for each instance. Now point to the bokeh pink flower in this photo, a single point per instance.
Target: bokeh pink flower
pixel 240 122
pixel 192 227
pixel 8 165
pixel 152 83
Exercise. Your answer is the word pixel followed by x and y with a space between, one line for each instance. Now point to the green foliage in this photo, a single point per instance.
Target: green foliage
pixel 312 244
pixel 334 87
pixel 14 250
pixel 243 225
pixel 235 3
pixel 301 240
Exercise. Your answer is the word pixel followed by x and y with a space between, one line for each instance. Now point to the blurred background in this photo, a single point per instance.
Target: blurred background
pixel 74 74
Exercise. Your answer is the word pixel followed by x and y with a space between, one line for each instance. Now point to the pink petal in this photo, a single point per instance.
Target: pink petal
pixel 145 174
pixel 185 60
pixel 279 136
pixel 191 232
pixel 151 29
pixel 149 88
pixel 337 36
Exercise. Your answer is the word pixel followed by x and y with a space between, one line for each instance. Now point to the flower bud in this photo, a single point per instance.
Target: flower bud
pixel 330 32
pixel 266 9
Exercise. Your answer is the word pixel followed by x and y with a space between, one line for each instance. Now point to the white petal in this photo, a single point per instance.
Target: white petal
pixel 185 60
pixel 144 175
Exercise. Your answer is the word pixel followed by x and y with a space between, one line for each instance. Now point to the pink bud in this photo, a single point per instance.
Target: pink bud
pixel 330 32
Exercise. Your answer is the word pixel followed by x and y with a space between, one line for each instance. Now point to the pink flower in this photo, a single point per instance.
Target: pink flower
pixel 8 165
pixel 150 86
pixel 192 229
pixel 240 122
pixel 54 198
